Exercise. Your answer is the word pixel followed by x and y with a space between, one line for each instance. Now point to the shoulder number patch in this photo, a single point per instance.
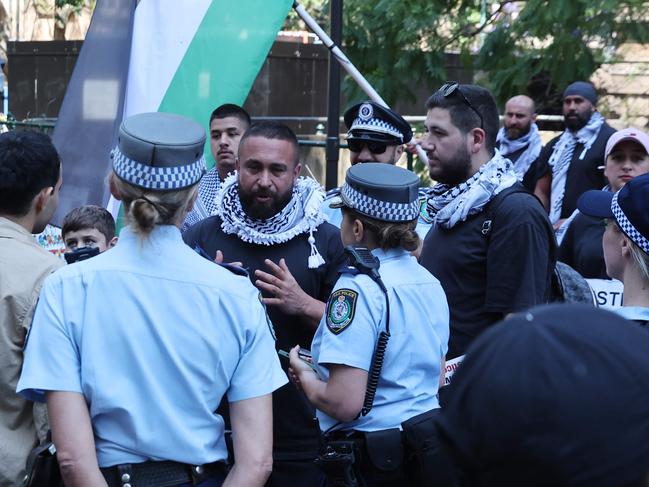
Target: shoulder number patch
pixel 340 310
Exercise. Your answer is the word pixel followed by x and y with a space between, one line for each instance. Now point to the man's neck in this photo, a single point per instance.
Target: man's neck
pixel 478 160
pixel 26 221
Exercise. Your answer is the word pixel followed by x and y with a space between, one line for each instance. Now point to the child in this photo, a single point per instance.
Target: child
pixel 89 226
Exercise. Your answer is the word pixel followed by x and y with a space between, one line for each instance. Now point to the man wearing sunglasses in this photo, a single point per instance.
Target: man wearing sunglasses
pixel 491 245
pixel 375 134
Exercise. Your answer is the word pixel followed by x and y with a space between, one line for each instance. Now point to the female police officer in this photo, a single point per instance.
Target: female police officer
pixel 136 347
pixel 401 301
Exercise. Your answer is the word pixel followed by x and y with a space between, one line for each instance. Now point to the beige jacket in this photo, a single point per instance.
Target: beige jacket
pixel 23 267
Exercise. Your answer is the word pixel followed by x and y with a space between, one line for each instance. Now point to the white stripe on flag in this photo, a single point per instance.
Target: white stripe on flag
pixel 162 32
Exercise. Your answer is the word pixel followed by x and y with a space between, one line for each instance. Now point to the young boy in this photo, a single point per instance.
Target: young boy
pixel 89 226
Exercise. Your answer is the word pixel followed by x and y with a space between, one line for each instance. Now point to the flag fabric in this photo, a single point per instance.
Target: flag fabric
pixel 93 105
pixel 190 56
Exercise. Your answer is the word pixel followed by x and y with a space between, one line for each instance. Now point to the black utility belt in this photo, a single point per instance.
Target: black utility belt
pixel 413 448
pixel 161 474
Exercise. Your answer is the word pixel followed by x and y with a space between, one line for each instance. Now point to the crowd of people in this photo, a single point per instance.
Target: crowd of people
pixel 247 328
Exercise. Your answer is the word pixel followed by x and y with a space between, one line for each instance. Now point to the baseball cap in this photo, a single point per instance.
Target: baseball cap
pixel 630 133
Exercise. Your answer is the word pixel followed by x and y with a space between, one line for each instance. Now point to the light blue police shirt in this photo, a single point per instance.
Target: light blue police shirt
pixel 424 222
pixel 419 329
pixel 153 336
pixel 639 313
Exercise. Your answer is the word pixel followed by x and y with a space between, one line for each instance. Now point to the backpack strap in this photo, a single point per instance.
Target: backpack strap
pixel 492 206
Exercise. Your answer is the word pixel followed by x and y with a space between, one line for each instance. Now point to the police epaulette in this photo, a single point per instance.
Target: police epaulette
pixel 235 269
pixel 348 269
pixel 332 192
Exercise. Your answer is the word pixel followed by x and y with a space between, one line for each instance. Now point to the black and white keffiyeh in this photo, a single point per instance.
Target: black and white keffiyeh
pixel 302 214
pixel 450 205
pixel 562 155
pixel 531 140
pixel 205 203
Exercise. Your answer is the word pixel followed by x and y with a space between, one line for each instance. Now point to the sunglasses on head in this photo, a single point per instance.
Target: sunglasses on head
pixel 451 87
pixel 356 145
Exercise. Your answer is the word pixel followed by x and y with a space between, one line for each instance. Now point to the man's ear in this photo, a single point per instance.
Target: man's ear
pixel 297 170
pixel 477 138
pixel 534 118
pixel 112 243
pixel 237 164
pixel 42 197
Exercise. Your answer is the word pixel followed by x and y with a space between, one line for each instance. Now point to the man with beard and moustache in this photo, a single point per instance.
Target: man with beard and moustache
pixel 228 122
pixel 572 163
pixel 519 141
pixel 270 220
pixel 491 244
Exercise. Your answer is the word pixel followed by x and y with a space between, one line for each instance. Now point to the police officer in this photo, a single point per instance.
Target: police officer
pixel 360 399
pixel 137 346
pixel 375 134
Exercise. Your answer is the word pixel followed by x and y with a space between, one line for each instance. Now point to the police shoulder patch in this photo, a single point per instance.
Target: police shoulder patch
pixel 340 309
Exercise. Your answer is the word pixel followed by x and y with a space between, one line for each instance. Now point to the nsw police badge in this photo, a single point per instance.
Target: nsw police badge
pixel 340 310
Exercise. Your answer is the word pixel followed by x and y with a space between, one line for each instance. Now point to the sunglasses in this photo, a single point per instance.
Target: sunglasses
pixel 374 147
pixel 451 87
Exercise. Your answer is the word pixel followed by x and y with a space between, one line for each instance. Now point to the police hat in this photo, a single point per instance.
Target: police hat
pixel 373 122
pixel 159 151
pixel 628 206
pixel 380 191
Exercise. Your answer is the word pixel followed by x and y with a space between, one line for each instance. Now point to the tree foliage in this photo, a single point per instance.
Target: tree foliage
pixel 510 44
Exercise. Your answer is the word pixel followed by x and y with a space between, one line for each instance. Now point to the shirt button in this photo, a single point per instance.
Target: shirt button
pixel 198 469
pixel 126 485
pixel 125 478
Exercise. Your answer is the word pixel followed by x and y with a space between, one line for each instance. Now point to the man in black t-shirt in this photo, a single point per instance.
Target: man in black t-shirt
pixel 270 220
pixel 573 162
pixel 491 245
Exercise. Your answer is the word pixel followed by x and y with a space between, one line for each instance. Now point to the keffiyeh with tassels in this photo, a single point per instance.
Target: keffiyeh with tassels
pixel 450 205
pixel 302 214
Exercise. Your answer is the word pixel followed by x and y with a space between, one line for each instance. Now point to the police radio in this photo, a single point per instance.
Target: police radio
pixel 367 263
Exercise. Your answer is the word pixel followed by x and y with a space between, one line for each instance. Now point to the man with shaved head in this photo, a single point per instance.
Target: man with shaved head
pixel 519 141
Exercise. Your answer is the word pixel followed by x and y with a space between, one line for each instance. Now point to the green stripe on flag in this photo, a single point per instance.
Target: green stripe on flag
pixel 224 57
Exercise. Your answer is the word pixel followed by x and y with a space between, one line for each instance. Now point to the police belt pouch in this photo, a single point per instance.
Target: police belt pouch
pixel 384 449
pixel 43 467
pixel 424 455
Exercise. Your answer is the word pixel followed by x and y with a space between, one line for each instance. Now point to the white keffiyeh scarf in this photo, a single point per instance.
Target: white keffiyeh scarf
pixel 450 205
pixel 562 155
pixel 302 214
pixel 531 140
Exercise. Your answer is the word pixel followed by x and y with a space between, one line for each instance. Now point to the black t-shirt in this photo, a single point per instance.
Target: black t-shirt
pixel 581 247
pixel 294 429
pixel 583 174
pixel 486 277
pixel 532 174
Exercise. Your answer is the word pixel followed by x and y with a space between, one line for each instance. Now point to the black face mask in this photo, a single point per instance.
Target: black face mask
pixel 82 253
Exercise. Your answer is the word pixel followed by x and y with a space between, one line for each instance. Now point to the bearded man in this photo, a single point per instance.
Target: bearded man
pixel 573 162
pixel 519 141
pixel 270 220
pixel 491 244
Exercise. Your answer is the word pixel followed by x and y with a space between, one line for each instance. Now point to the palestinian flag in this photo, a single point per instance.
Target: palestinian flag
pixel 185 57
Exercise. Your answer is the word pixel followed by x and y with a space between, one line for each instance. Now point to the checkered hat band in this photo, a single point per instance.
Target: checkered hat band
pixel 160 178
pixel 376 125
pixel 380 210
pixel 627 227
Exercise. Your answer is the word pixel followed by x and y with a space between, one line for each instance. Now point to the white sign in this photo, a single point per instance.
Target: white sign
pixel 608 293
pixel 451 367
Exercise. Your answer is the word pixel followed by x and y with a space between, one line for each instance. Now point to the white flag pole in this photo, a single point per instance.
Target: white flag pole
pixel 346 64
